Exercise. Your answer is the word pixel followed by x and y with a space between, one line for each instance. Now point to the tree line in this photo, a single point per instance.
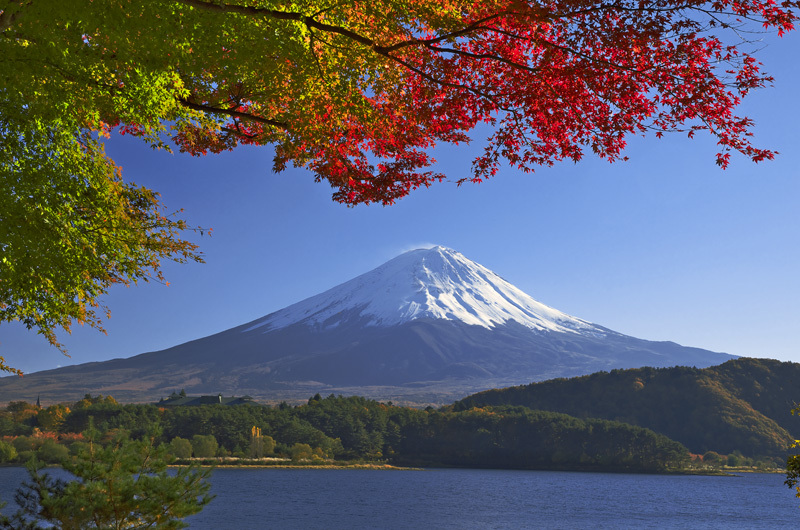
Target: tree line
pixel 339 428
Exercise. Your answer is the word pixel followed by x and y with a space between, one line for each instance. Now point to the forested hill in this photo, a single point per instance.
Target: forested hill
pixel 347 428
pixel 741 405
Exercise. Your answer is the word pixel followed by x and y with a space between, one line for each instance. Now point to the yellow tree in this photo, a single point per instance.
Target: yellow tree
pixel 51 418
pixel 256 443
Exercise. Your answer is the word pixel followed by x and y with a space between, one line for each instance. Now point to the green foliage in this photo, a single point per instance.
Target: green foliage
pixel 25 443
pixel 8 427
pixel 740 405
pixel 232 426
pixel 793 473
pixel 77 448
pixel 357 422
pixel 301 452
pixel 21 412
pixel 712 457
pixel 204 446
pixel 69 226
pixel 51 452
pixel 180 447
pixel 355 428
pixel 122 485
pixel 7 452
pixel 267 445
pixel 793 464
pixel 89 400
pixel 516 437
pixel 107 414
pixel 505 438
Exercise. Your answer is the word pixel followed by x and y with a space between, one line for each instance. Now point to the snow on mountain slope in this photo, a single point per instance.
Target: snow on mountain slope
pixel 437 283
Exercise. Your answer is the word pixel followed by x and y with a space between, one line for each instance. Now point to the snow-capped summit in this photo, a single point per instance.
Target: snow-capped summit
pixel 437 283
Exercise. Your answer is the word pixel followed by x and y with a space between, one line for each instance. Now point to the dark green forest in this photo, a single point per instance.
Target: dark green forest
pixel 647 419
pixel 349 429
pixel 742 406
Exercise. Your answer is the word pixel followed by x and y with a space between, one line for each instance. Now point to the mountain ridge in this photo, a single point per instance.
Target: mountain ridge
pixel 427 327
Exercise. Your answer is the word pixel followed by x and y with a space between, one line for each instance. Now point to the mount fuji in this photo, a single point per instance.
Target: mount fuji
pixel 428 326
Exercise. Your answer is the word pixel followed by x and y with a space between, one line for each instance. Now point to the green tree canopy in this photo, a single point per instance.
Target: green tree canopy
pixel 301 452
pixel 70 227
pixel 122 485
pixel 7 452
pixel 51 452
pixel 204 445
pixel 180 447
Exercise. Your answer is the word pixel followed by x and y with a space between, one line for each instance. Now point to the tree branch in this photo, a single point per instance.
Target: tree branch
pixel 311 22
pixel 279 15
pixel 233 113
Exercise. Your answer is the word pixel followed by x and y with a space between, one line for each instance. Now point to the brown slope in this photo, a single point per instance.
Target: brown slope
pixel 743 404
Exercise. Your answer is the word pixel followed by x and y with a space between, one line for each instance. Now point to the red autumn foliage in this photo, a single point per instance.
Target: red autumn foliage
pixel 554 80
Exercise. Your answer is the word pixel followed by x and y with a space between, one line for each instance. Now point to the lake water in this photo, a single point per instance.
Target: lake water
pixel 482 499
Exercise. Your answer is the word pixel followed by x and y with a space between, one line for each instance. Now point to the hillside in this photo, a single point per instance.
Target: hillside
pixel 742 405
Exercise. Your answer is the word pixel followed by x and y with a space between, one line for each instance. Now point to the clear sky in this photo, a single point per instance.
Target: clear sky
pixel 664 247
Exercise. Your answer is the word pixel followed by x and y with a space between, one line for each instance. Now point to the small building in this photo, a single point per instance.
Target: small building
pixel 182 400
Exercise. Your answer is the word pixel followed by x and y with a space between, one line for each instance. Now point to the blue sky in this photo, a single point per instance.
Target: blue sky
pixel 664 247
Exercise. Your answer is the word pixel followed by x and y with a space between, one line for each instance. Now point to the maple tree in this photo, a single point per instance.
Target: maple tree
pixel 357 92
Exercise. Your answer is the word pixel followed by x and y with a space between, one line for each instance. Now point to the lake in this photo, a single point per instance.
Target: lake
pixel 482 499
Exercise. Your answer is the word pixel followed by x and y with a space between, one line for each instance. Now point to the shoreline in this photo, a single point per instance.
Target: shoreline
pixel 280 463
pixel 256 465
